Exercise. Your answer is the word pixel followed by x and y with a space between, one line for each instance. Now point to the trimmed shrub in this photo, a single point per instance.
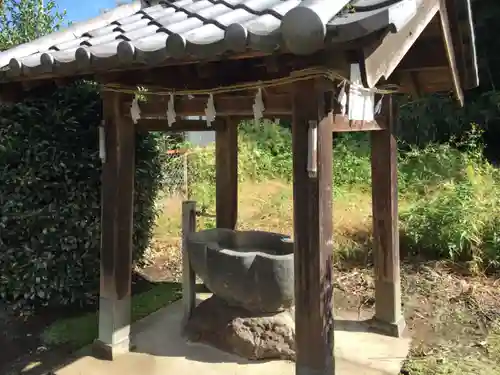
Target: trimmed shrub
pixel 50 197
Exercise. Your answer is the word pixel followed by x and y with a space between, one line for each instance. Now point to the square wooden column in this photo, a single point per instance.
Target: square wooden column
pixel 226 173
pixel 388 317
pixel 117 226
pixel 313 246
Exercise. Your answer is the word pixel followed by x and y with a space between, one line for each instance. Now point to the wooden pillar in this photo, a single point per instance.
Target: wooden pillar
pixel 117 227
pixel 226 160
pixel 388 317
pixel 313 248
pixel 188 275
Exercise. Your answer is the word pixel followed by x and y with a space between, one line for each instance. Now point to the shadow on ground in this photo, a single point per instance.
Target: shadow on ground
pixel 23 350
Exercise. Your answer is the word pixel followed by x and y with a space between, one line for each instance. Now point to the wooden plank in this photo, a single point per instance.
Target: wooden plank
pixel 342 124
pixel 225 105
pixel 226 171
pixel 384 55
pixel 450 51
pixel 188 275
pixel 117 228
pixel 388 317
pixel 313 247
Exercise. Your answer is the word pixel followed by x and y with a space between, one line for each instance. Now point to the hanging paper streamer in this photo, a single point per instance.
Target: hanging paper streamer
pixel 342 99
pixel 210 110
pixel 258 106
pixel 361 99
pixel 312 149
pixel 378 106
pixel 135 111
pixel 171 115
pixel 102 142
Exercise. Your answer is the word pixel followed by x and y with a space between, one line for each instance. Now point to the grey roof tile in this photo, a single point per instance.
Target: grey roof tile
pixel 133 26
pixel 73 43
pixel 357 24
pixel 150 34
pixel 101 31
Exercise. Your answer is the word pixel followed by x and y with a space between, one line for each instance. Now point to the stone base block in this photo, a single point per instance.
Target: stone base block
pixel 397 329
pixel 109 352
pixel 238 331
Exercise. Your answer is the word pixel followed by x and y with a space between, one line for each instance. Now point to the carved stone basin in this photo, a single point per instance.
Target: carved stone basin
pixel 251 269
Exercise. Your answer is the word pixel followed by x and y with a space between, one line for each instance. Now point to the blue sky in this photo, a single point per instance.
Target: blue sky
pixel 81 10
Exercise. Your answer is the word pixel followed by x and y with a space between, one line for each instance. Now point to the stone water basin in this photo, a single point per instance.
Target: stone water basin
pixel 252 269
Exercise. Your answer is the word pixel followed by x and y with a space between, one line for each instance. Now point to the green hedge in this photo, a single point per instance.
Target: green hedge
pixel 50 197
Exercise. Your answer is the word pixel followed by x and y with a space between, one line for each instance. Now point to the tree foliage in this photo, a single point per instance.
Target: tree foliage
pixel 24 20
pixel 50 201
pixel 50 180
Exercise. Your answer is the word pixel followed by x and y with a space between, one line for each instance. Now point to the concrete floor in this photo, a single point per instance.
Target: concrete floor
pixel 161 350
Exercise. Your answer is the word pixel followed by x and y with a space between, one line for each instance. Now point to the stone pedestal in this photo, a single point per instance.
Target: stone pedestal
pixel 238 331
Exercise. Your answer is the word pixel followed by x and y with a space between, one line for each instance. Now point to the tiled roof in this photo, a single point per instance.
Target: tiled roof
pixel 149 32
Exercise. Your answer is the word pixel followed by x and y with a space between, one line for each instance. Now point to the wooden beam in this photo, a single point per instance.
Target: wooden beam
pixel 388 317
pixel 313 247
pixel 450 51
pixel 225 105
pixel 384 55
pixel 342 124
pixel 117 227
pixel 338 124
pixel 225 72
pixel 226 174
pixel 161 125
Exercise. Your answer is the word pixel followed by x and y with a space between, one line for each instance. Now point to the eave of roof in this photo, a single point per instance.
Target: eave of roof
pixel 144 34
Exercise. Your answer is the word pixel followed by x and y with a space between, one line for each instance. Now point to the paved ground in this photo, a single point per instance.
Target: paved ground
pixel 160 349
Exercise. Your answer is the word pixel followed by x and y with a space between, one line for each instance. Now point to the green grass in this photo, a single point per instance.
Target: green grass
pixel 82 330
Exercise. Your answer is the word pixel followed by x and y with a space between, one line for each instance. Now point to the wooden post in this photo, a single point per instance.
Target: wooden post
pixel 185 166
pixel 312 212
pixel 226 160
pixel 188 275
pixel 117 227
pixel 388 317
